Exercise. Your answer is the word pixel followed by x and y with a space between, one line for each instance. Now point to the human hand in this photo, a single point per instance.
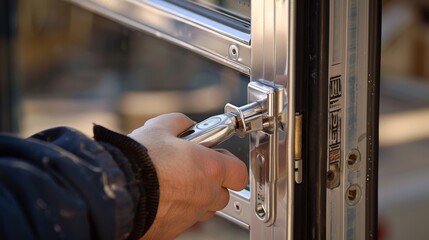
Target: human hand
pixel 193 179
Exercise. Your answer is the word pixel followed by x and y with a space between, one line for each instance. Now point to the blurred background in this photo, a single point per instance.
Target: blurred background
pixel 75 68
pixel 404 121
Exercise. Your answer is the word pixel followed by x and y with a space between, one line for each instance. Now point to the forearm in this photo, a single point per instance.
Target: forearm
pixel 59 183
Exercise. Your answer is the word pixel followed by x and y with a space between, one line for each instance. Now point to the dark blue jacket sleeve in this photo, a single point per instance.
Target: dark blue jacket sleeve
pixel 59 184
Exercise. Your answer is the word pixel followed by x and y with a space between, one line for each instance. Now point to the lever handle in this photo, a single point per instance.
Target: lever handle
pixel 212 131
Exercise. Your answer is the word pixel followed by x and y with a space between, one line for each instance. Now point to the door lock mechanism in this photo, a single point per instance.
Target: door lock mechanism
pixel 264 117
pixel 235 121
pixel 255 116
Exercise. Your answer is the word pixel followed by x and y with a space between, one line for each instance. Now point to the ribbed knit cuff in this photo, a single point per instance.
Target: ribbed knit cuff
pixel 144 175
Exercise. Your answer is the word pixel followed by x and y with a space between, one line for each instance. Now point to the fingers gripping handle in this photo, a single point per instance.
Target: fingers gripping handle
pixel 212 131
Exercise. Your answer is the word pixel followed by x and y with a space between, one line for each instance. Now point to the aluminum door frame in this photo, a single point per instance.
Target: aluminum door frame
pixel 273 60
pixel 226 44
pixel 353 106
pixel 344 82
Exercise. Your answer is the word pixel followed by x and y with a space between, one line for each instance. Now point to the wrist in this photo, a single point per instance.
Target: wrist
pixel 145 177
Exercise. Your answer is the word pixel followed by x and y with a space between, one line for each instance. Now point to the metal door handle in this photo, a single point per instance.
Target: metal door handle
pixel 212 131
pixel 235 121
pixel 263 117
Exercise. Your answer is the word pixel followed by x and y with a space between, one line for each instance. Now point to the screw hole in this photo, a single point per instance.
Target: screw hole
pixel 237 207
pixel 233 52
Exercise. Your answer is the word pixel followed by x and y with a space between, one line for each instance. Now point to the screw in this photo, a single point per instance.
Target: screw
pixel 353 158
pixel 353 195
pixel 260 211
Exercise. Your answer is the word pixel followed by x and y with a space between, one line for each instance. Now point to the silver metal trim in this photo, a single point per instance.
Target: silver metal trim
pixel 291 119
pixel 179 26
pixel 273 44
pixel 345 202
pixel 240 11
pixel 242 218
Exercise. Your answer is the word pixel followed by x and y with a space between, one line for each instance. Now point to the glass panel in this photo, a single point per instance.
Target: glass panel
pixel 236 8
pixel 88 69
pixel 78 68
